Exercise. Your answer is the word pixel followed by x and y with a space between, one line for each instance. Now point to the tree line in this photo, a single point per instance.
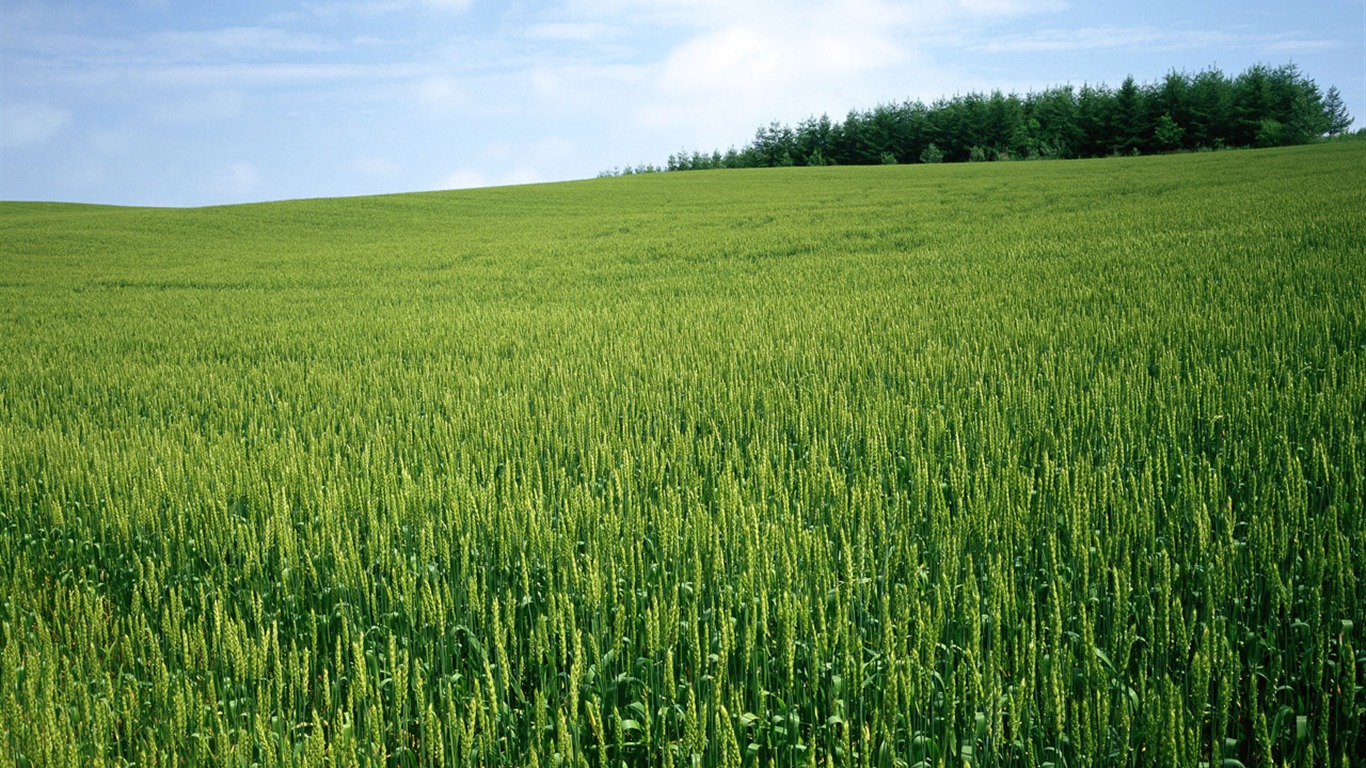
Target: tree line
pixel 1262 107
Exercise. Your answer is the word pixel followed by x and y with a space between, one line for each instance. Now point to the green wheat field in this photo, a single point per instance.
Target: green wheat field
pixel 1009 464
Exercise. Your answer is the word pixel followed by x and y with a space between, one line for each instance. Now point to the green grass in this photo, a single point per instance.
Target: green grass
pixel 1006 464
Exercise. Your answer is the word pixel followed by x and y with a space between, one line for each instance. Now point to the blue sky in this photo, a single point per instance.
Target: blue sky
pixel 161 102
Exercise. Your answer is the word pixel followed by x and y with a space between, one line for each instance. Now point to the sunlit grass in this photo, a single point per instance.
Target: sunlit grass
pixel 1011 464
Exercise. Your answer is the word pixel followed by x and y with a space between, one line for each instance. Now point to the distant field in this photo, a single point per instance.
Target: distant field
pixel 1001 464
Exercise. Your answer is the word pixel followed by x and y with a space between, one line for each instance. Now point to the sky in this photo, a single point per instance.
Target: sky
pixel 170 103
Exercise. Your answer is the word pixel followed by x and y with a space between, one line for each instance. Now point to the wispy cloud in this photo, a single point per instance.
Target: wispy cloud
pixel 178 46
pixel 1138 38
pixel 1301 45
pixel 441 94
pixel 374 8
pixel 26 124
pixel 1012 7
pixel 275 74
pixel 234 42
pixel 320 96
pixel 583 32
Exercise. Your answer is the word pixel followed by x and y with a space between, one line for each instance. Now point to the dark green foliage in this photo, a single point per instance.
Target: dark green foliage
pixel 1262 107
pixel 1167 133
pixel 1336 111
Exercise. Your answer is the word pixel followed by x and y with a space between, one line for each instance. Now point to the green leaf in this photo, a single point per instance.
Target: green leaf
pixel 1104 658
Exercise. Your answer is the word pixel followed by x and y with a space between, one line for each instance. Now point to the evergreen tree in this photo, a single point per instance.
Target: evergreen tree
pixel 1059 131
pixel 884 132
pixel 1252 103
pixel 857 146
pixel 1335 113
pixel 976 130
pixel 813 140
pixel 1024 139
pixel 1095 118
pixel 1211 110
pixel 1131 129
pixel 1298 104
pixel 1167 133
pixel 1173 99
pixel 1003 115
pixel 1262 107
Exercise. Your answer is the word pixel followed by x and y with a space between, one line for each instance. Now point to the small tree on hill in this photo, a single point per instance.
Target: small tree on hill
pixel 1335 113
pixel 1167 134
pixel 1272 133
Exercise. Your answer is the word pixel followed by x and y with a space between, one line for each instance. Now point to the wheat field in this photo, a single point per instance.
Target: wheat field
pixel 1014 464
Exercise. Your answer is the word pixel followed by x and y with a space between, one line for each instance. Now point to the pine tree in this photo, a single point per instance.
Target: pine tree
pixel 1131 118
pixel 1167 133
pixel 1336 113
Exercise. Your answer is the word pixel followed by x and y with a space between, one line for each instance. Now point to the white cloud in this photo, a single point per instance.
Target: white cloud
pixel 1142 38
pixel 114 51
pixel 1012 7
pixel 692 13
pixel 459 6
pixel 463 178
pixel 727 59
pixel 687 11
pixel 574 32
pixel 522 175
pixel 226 58
pixel 230 74
pixel 722 82
pixel 440 93
pixel 374 8
pixel 471 178
pixel 1300 45
pixel 197 45
pixel 374 41
pixel 27 124
pixel 587 87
